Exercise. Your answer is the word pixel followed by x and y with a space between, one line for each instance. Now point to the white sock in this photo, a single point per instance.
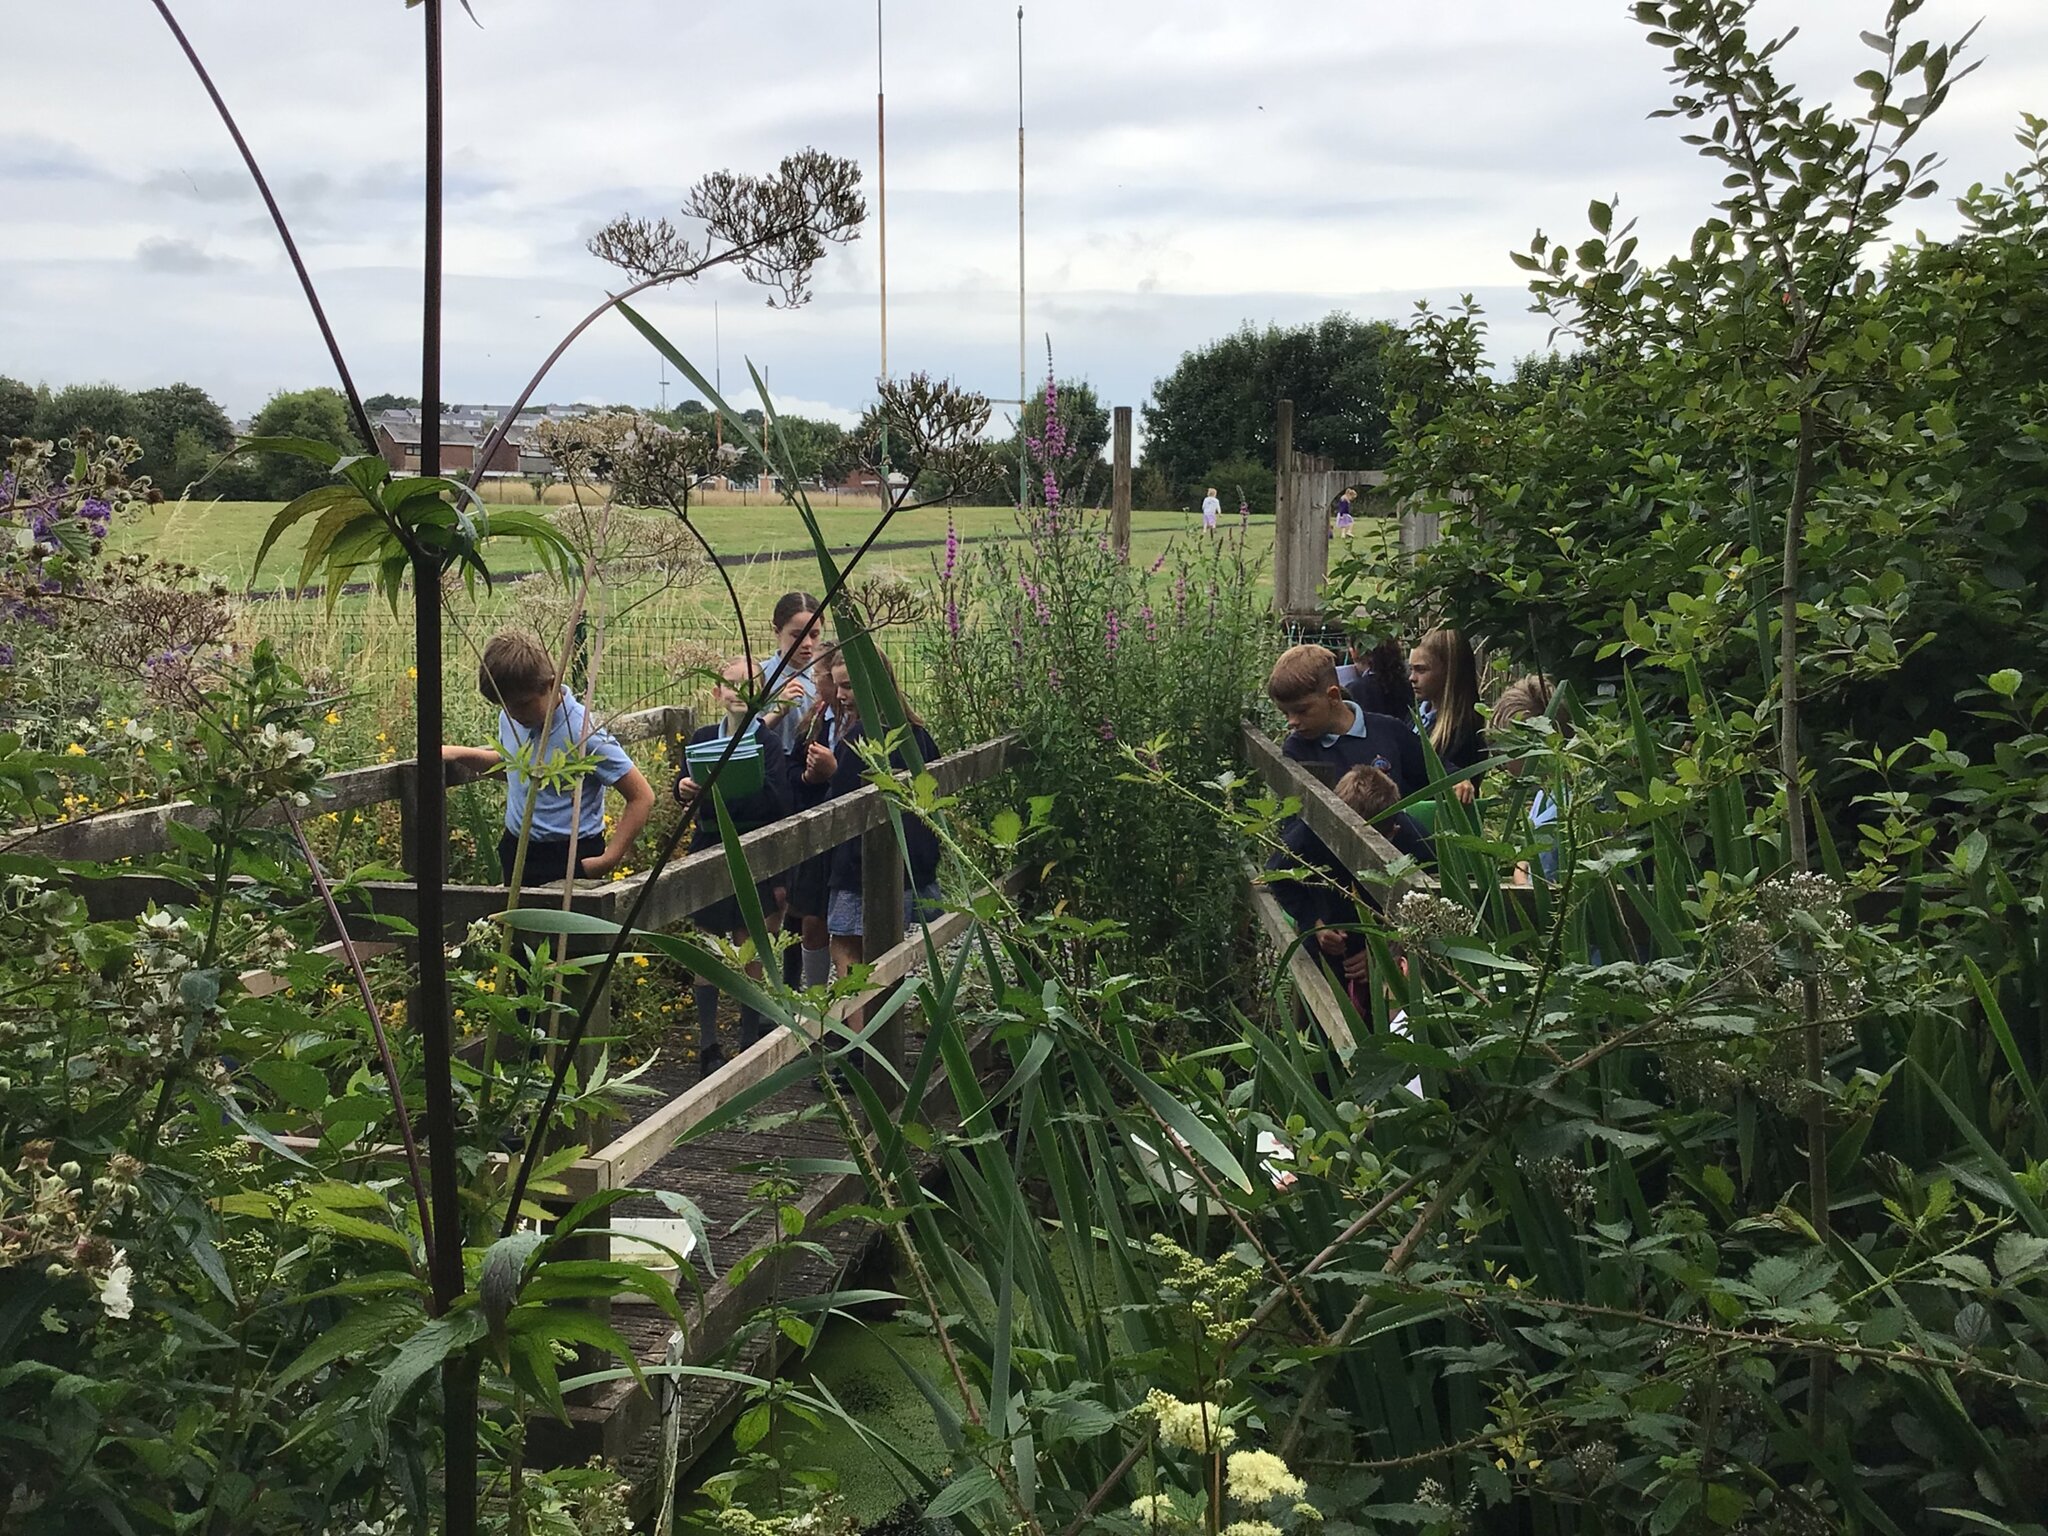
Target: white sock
pixel 817 965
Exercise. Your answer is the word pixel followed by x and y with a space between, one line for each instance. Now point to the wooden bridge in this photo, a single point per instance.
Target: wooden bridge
pixel 719 1171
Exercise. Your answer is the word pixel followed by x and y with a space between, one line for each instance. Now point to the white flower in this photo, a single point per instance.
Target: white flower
pixel 1191 1426
pixel 1154 1509
pixel 1256 1476
pixel 116 1300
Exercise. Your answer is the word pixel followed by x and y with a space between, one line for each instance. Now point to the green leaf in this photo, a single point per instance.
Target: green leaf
pixel 1601 216
pixel 751 1428
pixel 340 1224
pixel 298 1083
pixel 319 499
pixel 365 1330
pixel 504 1271
pixel 2018 1255
pixel 1184 1123
pixel 975 1486
pixel 2005 682
pixel 418 1355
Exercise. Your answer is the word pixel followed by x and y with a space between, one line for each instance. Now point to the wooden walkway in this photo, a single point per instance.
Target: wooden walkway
pixel 718 1171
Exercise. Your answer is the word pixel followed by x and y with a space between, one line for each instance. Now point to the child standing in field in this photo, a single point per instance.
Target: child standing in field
pixel 1212 509
pixel 859 721
pixel 541 725
pixel 750 812
pixel 1344 500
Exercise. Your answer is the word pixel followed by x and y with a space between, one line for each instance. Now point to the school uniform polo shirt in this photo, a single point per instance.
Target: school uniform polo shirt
pixel 552 806
pixel 1378 741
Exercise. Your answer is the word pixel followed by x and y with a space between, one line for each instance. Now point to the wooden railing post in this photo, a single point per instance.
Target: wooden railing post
pixel 881 921
pixel 408 821
pixel 1283 498
pixel 1120 482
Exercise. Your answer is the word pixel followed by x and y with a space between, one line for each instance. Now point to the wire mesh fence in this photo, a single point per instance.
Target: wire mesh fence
pixel 361 658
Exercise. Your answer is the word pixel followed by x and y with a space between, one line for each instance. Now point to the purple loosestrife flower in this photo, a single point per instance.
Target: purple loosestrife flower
pixel 1052 677
pixel 1244 514
pixel 952 549
pixel 1159 564
pixel 1111 632
pixel 953 618
pixel 1151 623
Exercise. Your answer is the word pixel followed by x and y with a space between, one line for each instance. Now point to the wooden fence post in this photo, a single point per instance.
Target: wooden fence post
pixel 408 826
pixel 1283 500
pixel 881 921
pixel 1120 482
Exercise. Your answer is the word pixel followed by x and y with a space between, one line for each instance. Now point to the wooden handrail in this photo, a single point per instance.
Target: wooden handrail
pixel 1342 830
pixel 144 830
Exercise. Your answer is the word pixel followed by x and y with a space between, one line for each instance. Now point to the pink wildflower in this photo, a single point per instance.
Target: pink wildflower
pixel 1111 633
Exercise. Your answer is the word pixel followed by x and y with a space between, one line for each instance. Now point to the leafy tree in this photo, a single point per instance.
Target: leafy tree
pixel 820 450
pixel 1236 479
pixel 18 404
pixel 106 409
pixel 181 431
pixel 1217 404
pixel 319 414
pixel 378 403
pixel 1080 469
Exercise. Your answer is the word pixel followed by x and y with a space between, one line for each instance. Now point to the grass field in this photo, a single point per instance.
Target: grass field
pixel 220 538
pixel 640 631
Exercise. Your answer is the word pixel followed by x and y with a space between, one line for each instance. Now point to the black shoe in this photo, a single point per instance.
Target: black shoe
pixel 709 1062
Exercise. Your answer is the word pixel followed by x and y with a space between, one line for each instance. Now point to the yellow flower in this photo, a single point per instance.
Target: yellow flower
pixel 412 674
pixel 74 750
pixel 334 717
pixel 641 961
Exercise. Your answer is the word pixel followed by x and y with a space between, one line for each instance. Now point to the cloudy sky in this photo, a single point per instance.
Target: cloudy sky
pixel 1193 164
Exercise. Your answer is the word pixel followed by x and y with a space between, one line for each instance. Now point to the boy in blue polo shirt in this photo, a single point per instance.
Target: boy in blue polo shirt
pixel 518 675
pixel 1326 730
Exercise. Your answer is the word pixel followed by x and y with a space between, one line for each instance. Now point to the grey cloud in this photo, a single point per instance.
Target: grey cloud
pixel 166 253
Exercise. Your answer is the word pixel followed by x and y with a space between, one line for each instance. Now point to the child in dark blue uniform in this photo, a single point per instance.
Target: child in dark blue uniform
pixel 781 778
pixel 843 898
pixel 1326 730
pixel 1326 905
